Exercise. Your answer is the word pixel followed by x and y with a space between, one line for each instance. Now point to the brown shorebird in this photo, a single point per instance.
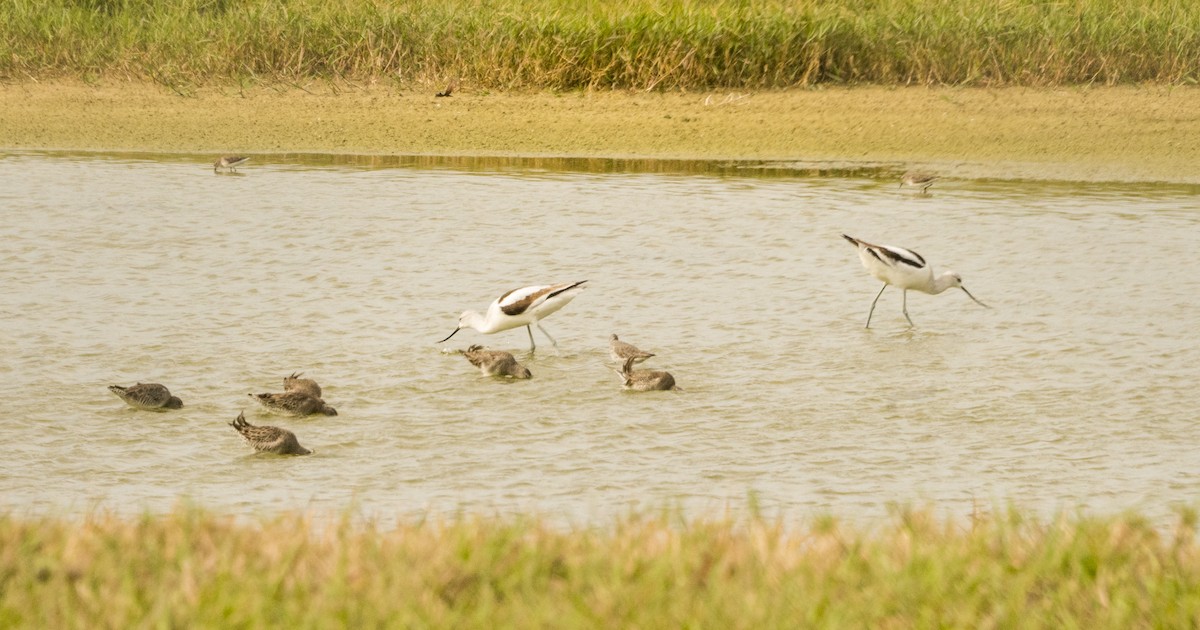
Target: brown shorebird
pixel 308 386
pixel 918 179
pixel 644 380
pixel 526 307
pixel 904 269
pixel 147 396
pixel 619 351
pixel 496 362
pixel 268 439
pixel 294 404
pixel 229 162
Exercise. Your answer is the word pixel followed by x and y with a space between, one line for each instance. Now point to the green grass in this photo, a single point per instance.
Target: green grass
pixel 623 44
pixel 191 568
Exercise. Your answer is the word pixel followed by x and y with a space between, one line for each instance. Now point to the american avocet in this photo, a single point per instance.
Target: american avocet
pixel 147 396
pixel 904 269
pixel 496 362
pixel 229 162
pixel 521 307
pixel 918 179
pixel 294 404
pixel 269 439
pixel 619 351
pixel 644 380
pixel 308 386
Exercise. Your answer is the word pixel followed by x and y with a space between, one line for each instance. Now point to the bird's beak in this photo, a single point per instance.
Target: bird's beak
pixel 961 287
pixel 458 329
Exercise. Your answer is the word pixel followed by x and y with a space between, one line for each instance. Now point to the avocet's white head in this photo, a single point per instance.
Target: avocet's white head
pixel 949 279
pixel 468 319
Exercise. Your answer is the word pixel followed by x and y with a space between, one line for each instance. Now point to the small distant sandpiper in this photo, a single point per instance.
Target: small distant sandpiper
pixel 269 439
pixel 644 380
pixel 229 162
pixel 308 386
pixel 918 179
pixel 619 351
pixel 294 404
pixel 496 362
pixel 147 396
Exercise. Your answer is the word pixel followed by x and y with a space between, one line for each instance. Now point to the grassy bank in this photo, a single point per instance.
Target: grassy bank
pixel 194 569
pixel 640 44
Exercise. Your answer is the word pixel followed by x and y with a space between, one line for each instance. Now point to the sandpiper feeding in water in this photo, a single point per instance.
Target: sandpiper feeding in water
pixel 905 269
pixel 917 179
pixel 229 162
pixel 268 439
pixel 294 404
pixel 521 307
pixel 496 362
pixel 147 396
pixel 308 386
pixel 644 380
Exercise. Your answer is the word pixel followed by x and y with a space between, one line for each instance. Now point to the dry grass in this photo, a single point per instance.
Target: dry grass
pixel 624 44
pixel 190 568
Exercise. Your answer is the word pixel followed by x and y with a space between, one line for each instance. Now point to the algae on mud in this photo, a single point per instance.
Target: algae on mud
pixel 1086 134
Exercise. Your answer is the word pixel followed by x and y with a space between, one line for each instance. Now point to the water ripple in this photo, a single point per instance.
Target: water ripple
pixel 1075 390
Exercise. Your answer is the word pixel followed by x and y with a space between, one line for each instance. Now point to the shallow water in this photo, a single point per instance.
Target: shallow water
pixel 1076 391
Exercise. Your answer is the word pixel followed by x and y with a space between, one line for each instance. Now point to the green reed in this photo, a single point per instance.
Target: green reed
pixel 625 44
pixel 195 569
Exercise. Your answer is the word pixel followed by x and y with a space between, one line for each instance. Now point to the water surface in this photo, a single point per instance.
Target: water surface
pixel 1076 391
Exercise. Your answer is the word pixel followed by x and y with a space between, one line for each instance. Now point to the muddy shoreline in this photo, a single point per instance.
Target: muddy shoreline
pixel 1080 134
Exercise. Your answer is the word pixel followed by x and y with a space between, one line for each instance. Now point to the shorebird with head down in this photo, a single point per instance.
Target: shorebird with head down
pixel 151 396
pixel 904 269
pixel 294 404
pixel 308 386
pixel 526 307
pixel 229 163
pixel 268 439
pixel 644 380
pixel 496 362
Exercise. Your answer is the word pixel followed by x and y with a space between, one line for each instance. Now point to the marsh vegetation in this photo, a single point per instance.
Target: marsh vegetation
pixel 624 44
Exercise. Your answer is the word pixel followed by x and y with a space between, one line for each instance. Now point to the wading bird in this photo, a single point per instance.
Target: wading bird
pixel 526 307
pixel 147 396
pixel 308 386
pixel 294 404
pixel 644 380
pixel 917 179
pixel 904 269
pixel 619 351
pixel 268 439
pixel 496 362
pixel 229 162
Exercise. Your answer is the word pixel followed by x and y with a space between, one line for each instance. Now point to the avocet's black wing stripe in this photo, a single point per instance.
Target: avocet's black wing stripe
pixel 533 296
pixel 898 255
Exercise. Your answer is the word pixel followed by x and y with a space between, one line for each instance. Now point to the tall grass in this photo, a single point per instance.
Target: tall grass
pixel 642 44
pixel 194 569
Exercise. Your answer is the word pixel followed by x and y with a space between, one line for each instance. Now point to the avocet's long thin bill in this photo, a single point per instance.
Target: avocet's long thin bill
pixel 458 329
pixel 964 291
